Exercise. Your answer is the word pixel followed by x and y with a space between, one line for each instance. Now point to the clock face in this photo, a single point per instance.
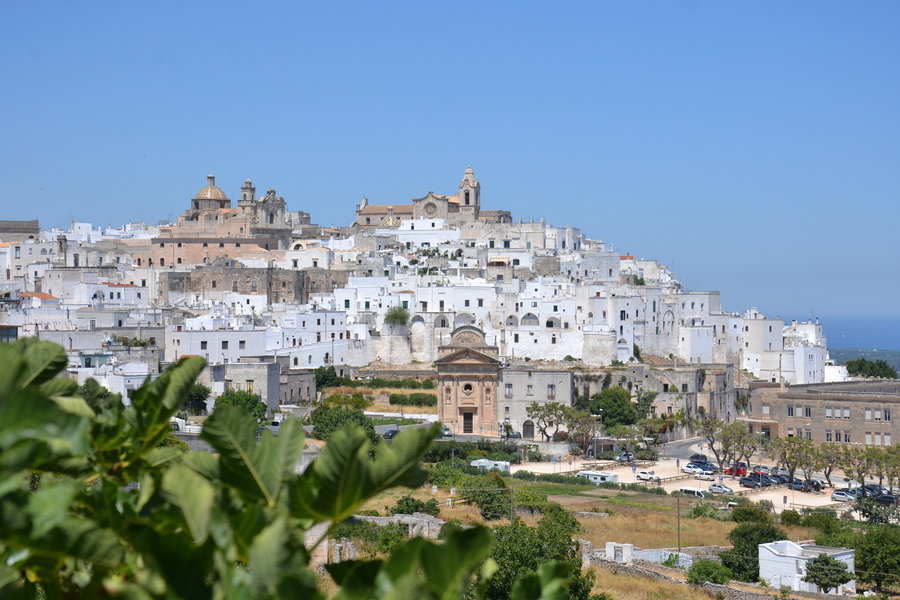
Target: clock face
pixel 430 209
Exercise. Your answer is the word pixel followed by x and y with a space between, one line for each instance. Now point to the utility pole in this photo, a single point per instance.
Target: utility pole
pixel 678 519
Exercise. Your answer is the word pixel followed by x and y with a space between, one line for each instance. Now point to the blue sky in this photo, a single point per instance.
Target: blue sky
pixel 753 147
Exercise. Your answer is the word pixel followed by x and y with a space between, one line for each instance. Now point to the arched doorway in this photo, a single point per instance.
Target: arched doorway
pixel 528 430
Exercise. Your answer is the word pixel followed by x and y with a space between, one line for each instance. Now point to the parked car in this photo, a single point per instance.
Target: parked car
pixel 768 480
pixel 843 496
pixel 761 469
pixel 390 434
pixel 886 499
pixel 736 471
pixel 799 485
pixel 718 488
pixel 705 475
pixel 780 478
pixel 691 469
pixel 873 489
pixel 625 457
pixel 750 482
pixel 514 435
pixel 699 458
pixel 708 467
pixel 779 471
pixel 647 476
pixel 446 432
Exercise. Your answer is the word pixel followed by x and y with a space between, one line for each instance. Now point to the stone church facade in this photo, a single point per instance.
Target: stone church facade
pixel 468 375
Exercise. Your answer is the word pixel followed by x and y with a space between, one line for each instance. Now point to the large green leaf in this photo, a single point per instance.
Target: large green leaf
pixel 448 567
pixel 43 361
pixel 268 553
pixel 193 494
pixel 156 401
pixel 49 506
pixel 551 582
pixel 345 475
pixel 76 537
pixel 255 469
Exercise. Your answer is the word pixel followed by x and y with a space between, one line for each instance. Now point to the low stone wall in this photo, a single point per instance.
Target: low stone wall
pixel 419 524
pixel 591 515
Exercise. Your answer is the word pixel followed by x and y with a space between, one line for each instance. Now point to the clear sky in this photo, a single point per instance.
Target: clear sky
pixel 753 147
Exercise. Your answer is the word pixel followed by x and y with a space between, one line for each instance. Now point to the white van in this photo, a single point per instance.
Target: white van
pixel 487 465
pixel 599 477
pixel 692 492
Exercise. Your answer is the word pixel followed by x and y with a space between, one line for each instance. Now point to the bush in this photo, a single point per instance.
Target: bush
pixel 490 494
pixel 791 517
pixel 445 475
pixel 646 454
pixel 408 505
pixel 707 511
pixel 825 521
pixel 356 400
pixel 750 514
pixel 414 399
pixel 708 570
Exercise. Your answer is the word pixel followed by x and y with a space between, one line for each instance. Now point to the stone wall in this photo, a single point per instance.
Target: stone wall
pixel 420 524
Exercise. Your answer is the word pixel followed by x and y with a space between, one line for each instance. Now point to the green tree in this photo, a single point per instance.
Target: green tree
pixel 743 559
pixel 615 407
pixel 490 493
pixel 326 420
pixel 828 457
pixel 546 416
pixel 708 570
pixel 246 401
pixel 229 524
pixel 827 572
pixel 863 367
pixel 326 377
pixel 582 428
pixel 397 315
pixel 878 556
pixel 407 505
pixel 789 452
pixel 195 402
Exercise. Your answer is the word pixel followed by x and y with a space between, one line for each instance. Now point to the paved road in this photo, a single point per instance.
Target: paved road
pixel 682 448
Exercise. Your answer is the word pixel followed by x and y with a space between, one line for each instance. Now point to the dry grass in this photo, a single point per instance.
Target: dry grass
pixel 383 406
pixel 633 587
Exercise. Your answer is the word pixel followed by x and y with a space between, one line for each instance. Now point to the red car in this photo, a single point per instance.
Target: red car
pixel 736 471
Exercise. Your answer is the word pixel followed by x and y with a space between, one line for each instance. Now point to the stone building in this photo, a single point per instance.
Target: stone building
pixel 468 374
pixel 850 412
pixel 19 231
pixel 458 210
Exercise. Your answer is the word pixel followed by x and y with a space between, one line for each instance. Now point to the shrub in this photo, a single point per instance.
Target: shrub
pixel 707 511
pixel 414 399
pixel 791 517
pixel 646 454
pixel 490 494
pixel 753 514
pixel 408 505
pixel 397 316
pixel 445 475
pixel 708 570
pixel 825 521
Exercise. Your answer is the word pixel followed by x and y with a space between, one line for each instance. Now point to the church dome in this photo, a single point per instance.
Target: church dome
pixel 211 191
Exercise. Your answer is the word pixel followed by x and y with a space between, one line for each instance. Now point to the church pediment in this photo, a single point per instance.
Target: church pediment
pixel 467 356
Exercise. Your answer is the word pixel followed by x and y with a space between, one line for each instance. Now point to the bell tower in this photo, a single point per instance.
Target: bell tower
pixel 469 196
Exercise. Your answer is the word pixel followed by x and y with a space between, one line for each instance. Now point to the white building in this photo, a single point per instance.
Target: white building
pixel 784 563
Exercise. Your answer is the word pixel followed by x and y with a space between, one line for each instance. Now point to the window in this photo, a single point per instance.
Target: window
pixel 665 387
pixel 765 409
pixel 481 302
pixel 868 415
pixel 347 303
pixel 529 390
pixel 868 438
pixel 847 437
pixel 807 411
pixel 828 436
pixel 684 387
pixel 877 414
pixel 887 415
pixel 213 284
pixel 551 390
pixel 224 344
pixel 466 302
pixel 622 315
pixel 242 344
pixel 203 345
pixel 790 410
pixel 515 337
pixel 887 439
pixel 249 383
pixel 846 413
pixel 827 412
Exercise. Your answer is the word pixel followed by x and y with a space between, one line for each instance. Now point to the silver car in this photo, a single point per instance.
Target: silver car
pixel 718 488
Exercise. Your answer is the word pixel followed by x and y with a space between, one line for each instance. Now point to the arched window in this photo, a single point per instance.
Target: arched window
pixel 162 262
pixel 271 218
pixel 467 198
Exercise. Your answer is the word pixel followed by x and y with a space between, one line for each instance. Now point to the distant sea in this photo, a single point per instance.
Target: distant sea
pixel 881 333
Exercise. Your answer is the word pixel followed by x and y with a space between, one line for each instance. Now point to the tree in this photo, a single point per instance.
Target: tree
pixel 827 572
pixel 614 407
pixel 789 452
pixel 582 428
pixel 743 559
pixel 863 367
pixel 545 416
pixel 407 505
pixel 246 401
pixel 327 420
pixel 490 493
pixel 721 438
pixel 878 556
pixel 829 455
pixel 857 462
pixel 397 315
pixel 748 443
pixel 195 402
pixel 229 524
pixel 326 377
pixel 708 570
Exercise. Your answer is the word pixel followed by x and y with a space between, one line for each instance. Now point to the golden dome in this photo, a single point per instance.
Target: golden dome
pixel 211 191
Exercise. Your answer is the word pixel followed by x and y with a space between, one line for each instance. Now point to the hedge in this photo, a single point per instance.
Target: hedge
pixel 414 399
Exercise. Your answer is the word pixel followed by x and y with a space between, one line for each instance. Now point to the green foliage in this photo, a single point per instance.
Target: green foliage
pixel 195 401
pixel 326 377
pixel 467 451
pixel 703 510
pixel 74 522
pixel 397 315
pixel 245 401
pixel 519 549
pixel 709 570
pixel 414 399
pixel 824 521
pixel 490 493
pixel 827 572
pixel 615 407
pixel 743 560
pixel 356 400
pixel 791 517
pixel 672 561
pixel 326 420
pixel 407 505
pixel 878 556
pixel 862 367
pixel 636 352
pixel 750 514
